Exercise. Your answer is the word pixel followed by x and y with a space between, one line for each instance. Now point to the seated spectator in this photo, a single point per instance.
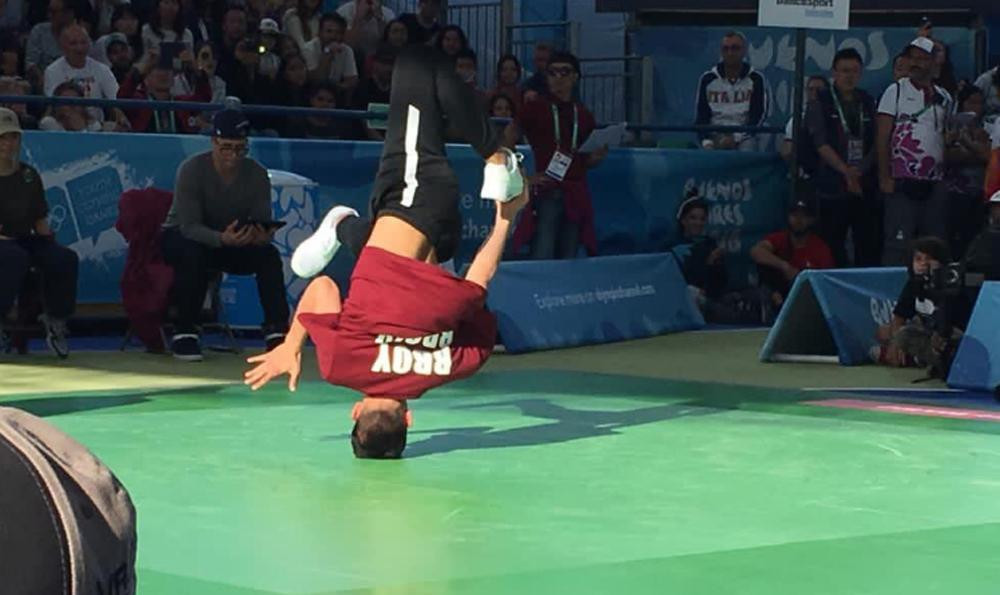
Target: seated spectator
pixel 165 26
pixel 301 22
pixel 328 58
pixel 204 62
pixel 14 85
pixel 989 84
pixel 366 22
pixel 237 60
pixel 116 54
pixel 732 93
pixel 376 88
pixel 95 79
pixel 71 118
pixel 913 338
pixel 701 258
pixel 10 57
pixel 288 47
pixel 451 40
pixel 322 95
pixel 561 215
pixel 291 91
pixel 508 80
pixel 424 24
pixel 269 62
pixel 781 255
pixel 395 36
pixel 153 80
pixel 537 83
pixel 44 46
pixel 27 241
pixel 208 229
pixel 502 106
pixel 967 152
pixel 125 22
pixel 467 67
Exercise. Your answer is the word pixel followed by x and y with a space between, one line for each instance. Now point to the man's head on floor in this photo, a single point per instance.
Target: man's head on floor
pixel 380 428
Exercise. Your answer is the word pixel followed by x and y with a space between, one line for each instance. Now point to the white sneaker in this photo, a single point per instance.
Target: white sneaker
pixel 316 251
pixel 503 182
pixel 55 335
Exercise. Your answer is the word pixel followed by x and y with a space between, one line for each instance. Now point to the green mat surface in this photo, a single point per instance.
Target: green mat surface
pixel 613 469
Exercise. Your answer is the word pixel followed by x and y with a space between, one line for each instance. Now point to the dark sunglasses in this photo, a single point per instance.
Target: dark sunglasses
pixel 561 72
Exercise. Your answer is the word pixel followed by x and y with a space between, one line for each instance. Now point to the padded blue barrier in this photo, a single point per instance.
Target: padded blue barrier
pixel 636 193
pixel 562 303
pixel 832 315
pixel 977 362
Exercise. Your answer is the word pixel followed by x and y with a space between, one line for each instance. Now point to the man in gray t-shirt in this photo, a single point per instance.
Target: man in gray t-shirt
pixel 222 201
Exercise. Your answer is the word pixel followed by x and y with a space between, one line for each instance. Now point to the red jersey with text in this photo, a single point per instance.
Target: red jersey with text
pixel 406 327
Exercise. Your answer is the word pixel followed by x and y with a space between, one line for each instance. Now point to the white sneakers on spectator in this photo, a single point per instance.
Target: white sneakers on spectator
pixel 55 335
pixel 316 251
pixel 503 182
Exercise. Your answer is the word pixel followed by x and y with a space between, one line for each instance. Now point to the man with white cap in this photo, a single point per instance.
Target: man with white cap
pixel 27 242
pixel 910 143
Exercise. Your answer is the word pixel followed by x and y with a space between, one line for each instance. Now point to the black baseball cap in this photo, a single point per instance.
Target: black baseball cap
pixel 802 204
pixel 230 123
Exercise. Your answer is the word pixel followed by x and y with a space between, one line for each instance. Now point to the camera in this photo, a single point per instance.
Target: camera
pixel 949 279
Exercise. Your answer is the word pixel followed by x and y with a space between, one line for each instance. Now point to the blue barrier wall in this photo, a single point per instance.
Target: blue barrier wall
pixel 636 192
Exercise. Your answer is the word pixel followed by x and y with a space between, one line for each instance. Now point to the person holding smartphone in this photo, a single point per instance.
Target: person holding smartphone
pixel 218 222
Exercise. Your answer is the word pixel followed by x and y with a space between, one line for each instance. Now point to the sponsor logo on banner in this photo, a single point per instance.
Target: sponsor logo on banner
pixel 808 14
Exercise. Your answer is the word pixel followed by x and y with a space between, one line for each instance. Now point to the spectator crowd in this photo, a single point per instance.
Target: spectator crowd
pixel 271 52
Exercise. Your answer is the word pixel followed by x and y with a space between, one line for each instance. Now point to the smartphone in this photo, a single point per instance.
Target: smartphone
pixel 268 225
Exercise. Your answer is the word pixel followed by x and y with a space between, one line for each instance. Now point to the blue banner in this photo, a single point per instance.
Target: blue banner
pixel 551 304
pixel 977 362
pixel 682 54
pixel 835 313
pixel 636 193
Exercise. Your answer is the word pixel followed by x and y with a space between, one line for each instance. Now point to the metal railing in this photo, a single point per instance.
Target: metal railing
pixel 623 95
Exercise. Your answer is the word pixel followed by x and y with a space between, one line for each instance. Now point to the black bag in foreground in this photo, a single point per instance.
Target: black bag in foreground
pixel 67 526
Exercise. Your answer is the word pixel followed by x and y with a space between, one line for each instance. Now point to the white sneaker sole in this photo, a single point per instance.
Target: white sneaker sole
pixel 503 183
pixel 316 251
pixel 189 358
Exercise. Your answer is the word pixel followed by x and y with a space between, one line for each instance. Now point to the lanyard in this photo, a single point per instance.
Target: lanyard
pixel 843 119
pixel 927 107
pixel 576 126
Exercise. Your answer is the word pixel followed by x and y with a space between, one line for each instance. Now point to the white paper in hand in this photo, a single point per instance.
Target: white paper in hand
pixel 611 136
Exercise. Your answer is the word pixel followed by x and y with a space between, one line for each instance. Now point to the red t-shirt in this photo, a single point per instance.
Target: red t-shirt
pixel 406 327
pixel 814 255
pixel 535 119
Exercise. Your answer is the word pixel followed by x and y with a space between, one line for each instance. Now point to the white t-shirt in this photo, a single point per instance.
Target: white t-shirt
pixel 343 65
pixel 990 92
pixel 96 80
pixel 917 144
pixel 371 30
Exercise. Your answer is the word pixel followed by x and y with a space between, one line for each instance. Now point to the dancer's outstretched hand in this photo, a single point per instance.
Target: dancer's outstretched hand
pixel 284 359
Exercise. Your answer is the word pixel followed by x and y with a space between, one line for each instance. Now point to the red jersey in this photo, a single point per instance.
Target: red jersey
pixel 814 255
pixel 535 119
pixel 406 327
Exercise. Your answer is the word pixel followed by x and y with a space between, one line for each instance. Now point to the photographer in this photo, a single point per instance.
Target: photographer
pixel 927 320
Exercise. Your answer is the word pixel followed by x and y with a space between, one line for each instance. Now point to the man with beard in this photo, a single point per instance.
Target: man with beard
pixel 781 255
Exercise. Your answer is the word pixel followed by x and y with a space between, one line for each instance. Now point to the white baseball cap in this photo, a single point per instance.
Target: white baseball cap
pixel 923 43
pixel 9 121
pixel 269 26
pixel 995 199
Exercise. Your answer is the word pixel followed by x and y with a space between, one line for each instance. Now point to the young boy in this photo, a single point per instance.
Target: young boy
pixel 407 326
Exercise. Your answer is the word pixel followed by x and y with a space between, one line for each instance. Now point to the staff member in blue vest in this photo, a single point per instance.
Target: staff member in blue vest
pixel 841 122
